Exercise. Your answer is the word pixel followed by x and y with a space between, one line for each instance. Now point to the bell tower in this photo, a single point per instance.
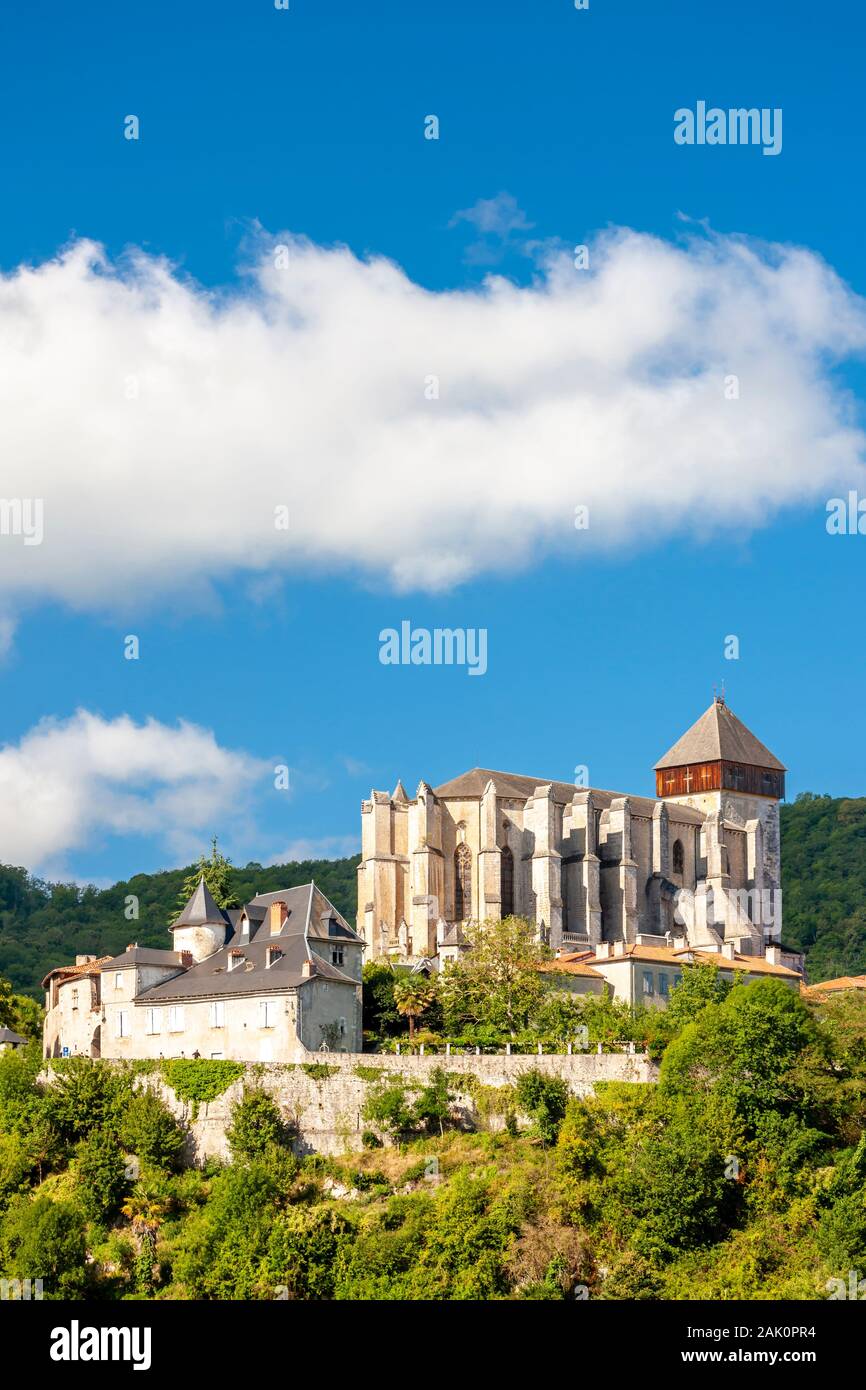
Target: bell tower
pixel 720 768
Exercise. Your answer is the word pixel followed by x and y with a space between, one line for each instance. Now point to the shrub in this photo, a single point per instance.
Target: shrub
pixel 545 1099
pixel 256 1125
pixel 85 1095
pixel 45 1240
pixel 100 1171
pixel 149 1130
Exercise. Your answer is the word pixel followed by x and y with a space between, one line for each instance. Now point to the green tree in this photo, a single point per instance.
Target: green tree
pixel 545 1098
pixel 432 1107
pixel 149 1130
pixel 743 1050
pixel 41 1239
pixel 100 1171
pixel 701 984
pixel 217 871
pixel 256 1125
pixel 497 982
pixel 85 1095
pixel 380 1016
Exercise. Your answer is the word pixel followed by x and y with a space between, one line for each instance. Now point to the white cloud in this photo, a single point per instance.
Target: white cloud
pixel 306 387
pixel 498 217
pixel 73 783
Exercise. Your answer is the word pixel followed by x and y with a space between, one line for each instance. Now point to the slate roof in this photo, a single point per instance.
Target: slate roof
pixel 7 1036
pixel 212 976
pixel 719 736
pixel 471 785
pixel 200 910
pixel 141 955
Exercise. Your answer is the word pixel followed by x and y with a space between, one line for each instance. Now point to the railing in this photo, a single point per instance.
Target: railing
pixel 541 1049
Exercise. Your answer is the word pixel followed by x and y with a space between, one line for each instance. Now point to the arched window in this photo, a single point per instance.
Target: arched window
pixel 462 883
pixel 678 857
pixel 507 882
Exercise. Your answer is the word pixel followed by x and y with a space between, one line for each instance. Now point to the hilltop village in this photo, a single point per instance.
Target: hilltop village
pixel 624 891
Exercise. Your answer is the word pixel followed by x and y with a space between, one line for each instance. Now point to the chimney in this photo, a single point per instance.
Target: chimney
pixel 619 948
pixel 774 953
pixel 602 950
pixel 186 959
pixel 277 914
pixel 308 969
pixel 729 949
pixel 86 960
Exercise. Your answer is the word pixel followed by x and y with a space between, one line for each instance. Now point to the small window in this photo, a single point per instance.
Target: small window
pixel 153 1023
pixel 236 958
pixel 121 1024
pixel 75 999
pixel 678 858
pixel 118 980
pixel 663 986
pixel 336 955
pixel 648 982
pixel 267 1013
pixel 342 1027
pixel 273 955
pixel 217 1015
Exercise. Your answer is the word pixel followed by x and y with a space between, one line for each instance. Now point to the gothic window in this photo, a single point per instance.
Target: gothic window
pixel 507 885
pixel 462 883
pixel 678 857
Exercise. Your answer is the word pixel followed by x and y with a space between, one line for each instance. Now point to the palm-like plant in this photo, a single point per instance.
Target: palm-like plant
pixel 412 998
pixel 145 1214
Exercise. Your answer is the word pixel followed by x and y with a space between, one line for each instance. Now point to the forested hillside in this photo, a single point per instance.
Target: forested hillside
pixel 738 1177
pixel 824 883
pixel 45 924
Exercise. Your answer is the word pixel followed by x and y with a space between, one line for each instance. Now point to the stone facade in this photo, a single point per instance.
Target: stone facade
pixel 700 869
pixel 274 981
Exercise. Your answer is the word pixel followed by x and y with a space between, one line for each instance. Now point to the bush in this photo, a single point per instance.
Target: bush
pixel 100 1171
pixel 41 1239
pixel 85 1095
pixel 545 1099
pixel 256 1125
pixel 149 1130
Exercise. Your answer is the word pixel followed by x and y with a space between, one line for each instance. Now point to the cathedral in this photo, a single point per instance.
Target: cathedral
pixel 697 867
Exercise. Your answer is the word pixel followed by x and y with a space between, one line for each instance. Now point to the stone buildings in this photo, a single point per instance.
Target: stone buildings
pixel 268 982
pixel 697 867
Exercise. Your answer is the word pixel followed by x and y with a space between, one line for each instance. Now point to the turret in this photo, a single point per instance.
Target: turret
pixel 201 927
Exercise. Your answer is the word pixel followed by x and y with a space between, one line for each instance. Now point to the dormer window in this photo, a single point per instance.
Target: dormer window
pixel 236 958
pixel 245 925
pixel 273 955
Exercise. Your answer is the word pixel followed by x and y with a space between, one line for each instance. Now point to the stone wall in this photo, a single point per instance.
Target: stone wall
pixel 327 1108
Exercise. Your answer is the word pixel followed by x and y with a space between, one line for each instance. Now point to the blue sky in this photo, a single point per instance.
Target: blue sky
pixel 311 122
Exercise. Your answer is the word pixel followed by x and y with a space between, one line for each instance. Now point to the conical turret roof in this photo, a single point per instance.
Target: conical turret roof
pixel 719 736
pixel 200 909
